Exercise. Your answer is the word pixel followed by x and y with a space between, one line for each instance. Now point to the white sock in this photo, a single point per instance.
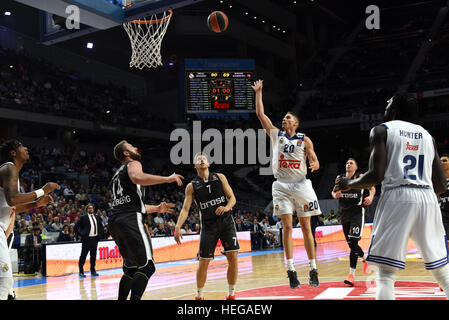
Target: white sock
pixel 352 271
pixel 385 279
pixel 312 263
pixel 199 292
pixel 441 275
pixel 290 265
pixel 231 289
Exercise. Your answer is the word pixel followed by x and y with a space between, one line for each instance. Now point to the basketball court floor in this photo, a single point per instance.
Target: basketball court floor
pixel 262 276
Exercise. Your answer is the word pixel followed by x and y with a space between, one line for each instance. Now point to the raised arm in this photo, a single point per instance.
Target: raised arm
pixel 377 164
pixel 438 176
pixel 260 112
pixel 229 195
pixel 184 212
pixel 137 176
pixel 9 180
pixel 314 164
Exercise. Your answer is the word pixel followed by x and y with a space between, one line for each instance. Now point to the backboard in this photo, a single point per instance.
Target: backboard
pixel 57 16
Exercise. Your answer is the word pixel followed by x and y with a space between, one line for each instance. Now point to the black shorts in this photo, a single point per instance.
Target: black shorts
pixel 132 239
pixel 445 216
pixel 222 228
pixel 353 224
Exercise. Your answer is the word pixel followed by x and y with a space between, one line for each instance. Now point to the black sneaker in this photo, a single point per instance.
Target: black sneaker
pixel 81 275
pixel 313 278
pixel 293 277
pixel 12 296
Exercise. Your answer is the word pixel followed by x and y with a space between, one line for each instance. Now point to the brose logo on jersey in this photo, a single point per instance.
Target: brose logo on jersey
pixel 211 203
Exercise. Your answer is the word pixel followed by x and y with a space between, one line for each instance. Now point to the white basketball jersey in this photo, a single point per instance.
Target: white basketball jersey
pixel 289 156
pixel 410 154
pixel 5 210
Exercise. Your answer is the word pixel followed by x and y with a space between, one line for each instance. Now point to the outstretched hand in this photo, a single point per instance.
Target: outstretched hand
pixel 166 207
pixel 176 178
pixel 257 86
pixel 49 187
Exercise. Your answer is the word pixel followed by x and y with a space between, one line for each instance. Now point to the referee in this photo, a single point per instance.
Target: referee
pixel 352 214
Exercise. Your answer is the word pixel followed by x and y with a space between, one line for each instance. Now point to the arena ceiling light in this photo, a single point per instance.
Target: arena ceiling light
pixel 8 13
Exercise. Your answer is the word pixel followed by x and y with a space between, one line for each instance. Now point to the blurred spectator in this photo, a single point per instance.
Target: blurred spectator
pixel 257 235
pixel 64 235
pixel 158 219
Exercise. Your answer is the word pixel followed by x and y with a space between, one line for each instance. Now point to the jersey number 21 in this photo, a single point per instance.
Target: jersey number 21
pixel 411 162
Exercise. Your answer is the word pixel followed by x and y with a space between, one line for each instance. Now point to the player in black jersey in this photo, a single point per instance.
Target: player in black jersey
pixel 443 199
pixel 215 199
pixel 351 206
pixel 126 221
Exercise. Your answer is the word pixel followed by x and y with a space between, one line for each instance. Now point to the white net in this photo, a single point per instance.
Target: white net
pixel 146 37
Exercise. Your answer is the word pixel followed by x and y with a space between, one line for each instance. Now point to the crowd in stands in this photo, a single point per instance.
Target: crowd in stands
pixel 34 85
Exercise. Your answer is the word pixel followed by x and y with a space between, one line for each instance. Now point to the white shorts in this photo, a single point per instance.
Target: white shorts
pixel 299 197
pixel 5 258
pixel 404 213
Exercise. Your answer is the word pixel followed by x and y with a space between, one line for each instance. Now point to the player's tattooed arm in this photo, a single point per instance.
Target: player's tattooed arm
pixel 9 182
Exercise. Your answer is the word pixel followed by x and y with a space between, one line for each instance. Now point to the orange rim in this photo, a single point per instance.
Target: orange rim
pixel 153 21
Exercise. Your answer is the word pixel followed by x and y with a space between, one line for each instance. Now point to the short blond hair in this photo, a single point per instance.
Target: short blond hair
pixel 200 154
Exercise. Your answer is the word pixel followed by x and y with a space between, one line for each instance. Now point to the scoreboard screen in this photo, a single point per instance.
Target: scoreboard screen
pixel 219 91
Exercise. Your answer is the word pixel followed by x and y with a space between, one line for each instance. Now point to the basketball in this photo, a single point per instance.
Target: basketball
pixel 217 21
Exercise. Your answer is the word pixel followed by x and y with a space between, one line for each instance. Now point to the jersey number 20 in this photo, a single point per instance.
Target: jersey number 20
pixel 410 162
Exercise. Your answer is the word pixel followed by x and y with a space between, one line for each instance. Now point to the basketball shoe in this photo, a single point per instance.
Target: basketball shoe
pixel 293 277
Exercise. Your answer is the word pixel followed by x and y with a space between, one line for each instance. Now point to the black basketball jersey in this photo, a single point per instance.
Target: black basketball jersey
pixel 208 196
pixel 126 196
pixel 352 199
pixel 444 200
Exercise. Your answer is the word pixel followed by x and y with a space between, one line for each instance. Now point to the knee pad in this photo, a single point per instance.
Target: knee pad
pixel 354 246
pixel 129 271
pixel 148 270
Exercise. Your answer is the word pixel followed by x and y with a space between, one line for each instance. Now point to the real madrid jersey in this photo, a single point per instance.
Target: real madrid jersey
pixel 410 154
pixel 6 211
pixel 289 156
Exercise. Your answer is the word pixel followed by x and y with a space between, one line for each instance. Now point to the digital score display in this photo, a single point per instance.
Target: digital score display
pixel 220 91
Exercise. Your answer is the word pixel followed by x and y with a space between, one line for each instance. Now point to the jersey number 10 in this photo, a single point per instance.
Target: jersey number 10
pixel 410 162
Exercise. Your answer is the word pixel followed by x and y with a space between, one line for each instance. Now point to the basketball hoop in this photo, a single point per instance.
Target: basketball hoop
pixel 146 37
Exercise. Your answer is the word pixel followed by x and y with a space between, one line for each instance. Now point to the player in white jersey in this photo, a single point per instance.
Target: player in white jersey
pixel 292 192
pixel 405 160
pixel 12 201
